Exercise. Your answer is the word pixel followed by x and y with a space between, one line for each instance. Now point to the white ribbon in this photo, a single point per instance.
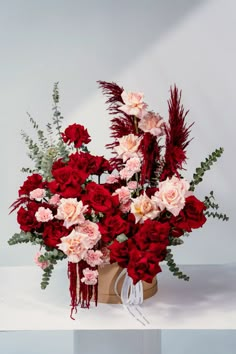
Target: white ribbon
pixel 131 296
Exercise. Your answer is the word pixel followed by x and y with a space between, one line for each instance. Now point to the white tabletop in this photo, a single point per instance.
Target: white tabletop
pixel 207 301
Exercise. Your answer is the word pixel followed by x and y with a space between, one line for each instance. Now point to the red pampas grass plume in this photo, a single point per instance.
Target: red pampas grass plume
pixel 177 134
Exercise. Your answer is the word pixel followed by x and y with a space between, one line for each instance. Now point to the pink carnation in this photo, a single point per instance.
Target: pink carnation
pixel 43 214
pixel 54 200
pixel 132 185
pixel 123 194
pixel 37 194
pixel 133 164
pixel 42 265
pixel 93 258
pixel 126 173
pixel 112 179
pixel 105 255
pixel 90 276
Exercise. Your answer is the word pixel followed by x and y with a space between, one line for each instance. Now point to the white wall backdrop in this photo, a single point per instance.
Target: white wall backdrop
pixel 144 46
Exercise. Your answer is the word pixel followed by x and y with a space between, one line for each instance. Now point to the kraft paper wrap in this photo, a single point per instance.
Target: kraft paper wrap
pixel 106 282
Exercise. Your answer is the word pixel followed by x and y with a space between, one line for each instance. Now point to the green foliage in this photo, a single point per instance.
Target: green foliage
pixel 121 238
pixel 22 237
pixel 210 203
pixel 48 147
pixel 57 117
pixel 25 237
pixel 51 257
pixel 47 273
pixel 205 166
pixel 173 267
pixel 175 241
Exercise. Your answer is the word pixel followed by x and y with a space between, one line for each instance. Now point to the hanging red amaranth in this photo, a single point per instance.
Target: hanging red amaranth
pixel 81 294
pixel 73 277
pixel 86 292
pixel 177 134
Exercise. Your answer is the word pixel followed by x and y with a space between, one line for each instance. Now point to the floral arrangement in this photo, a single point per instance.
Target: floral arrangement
pixel 130 209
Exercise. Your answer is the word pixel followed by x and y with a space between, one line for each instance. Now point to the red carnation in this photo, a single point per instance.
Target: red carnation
pixel 153 236
pixel 99 198
pixel 26 217
pixel 76 134
pixel 119 253
pixel 143 266
pixel 32 182
pixel 112 226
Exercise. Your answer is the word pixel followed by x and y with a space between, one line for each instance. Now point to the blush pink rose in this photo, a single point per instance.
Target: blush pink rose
pixel 43 214
pixel 71 211
pixel 93 258
pixel 172 194
pixel 152 123
pixel 133 104
pixel 91 229
pixel 75 245
pixel 144 208
pixel 128 146
pixel 42 265
pixel 90 276
pixel 37 194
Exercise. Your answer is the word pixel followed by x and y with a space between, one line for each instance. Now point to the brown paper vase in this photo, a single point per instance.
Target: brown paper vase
pixel 106 282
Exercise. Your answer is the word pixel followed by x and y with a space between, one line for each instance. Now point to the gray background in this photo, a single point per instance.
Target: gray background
pixel 142 45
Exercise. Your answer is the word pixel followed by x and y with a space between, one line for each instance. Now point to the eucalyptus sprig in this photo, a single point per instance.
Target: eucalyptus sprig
pixel 210 203
pixel 205 166
pixel 173 267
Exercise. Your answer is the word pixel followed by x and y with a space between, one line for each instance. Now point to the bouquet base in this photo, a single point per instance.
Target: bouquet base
pixel 106 285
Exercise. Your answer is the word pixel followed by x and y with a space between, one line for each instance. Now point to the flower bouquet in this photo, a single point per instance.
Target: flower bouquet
pixel 128 210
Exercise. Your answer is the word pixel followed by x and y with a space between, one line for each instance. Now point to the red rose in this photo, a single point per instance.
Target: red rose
pixel 143 266
pixel 76 134
pixel 53 231
pixel 99 198
pixel 194 212
pixel 119 253
pixel 153 236
pixel 26 217
pixel 179 225
pixel 34 181
pixel 112 226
